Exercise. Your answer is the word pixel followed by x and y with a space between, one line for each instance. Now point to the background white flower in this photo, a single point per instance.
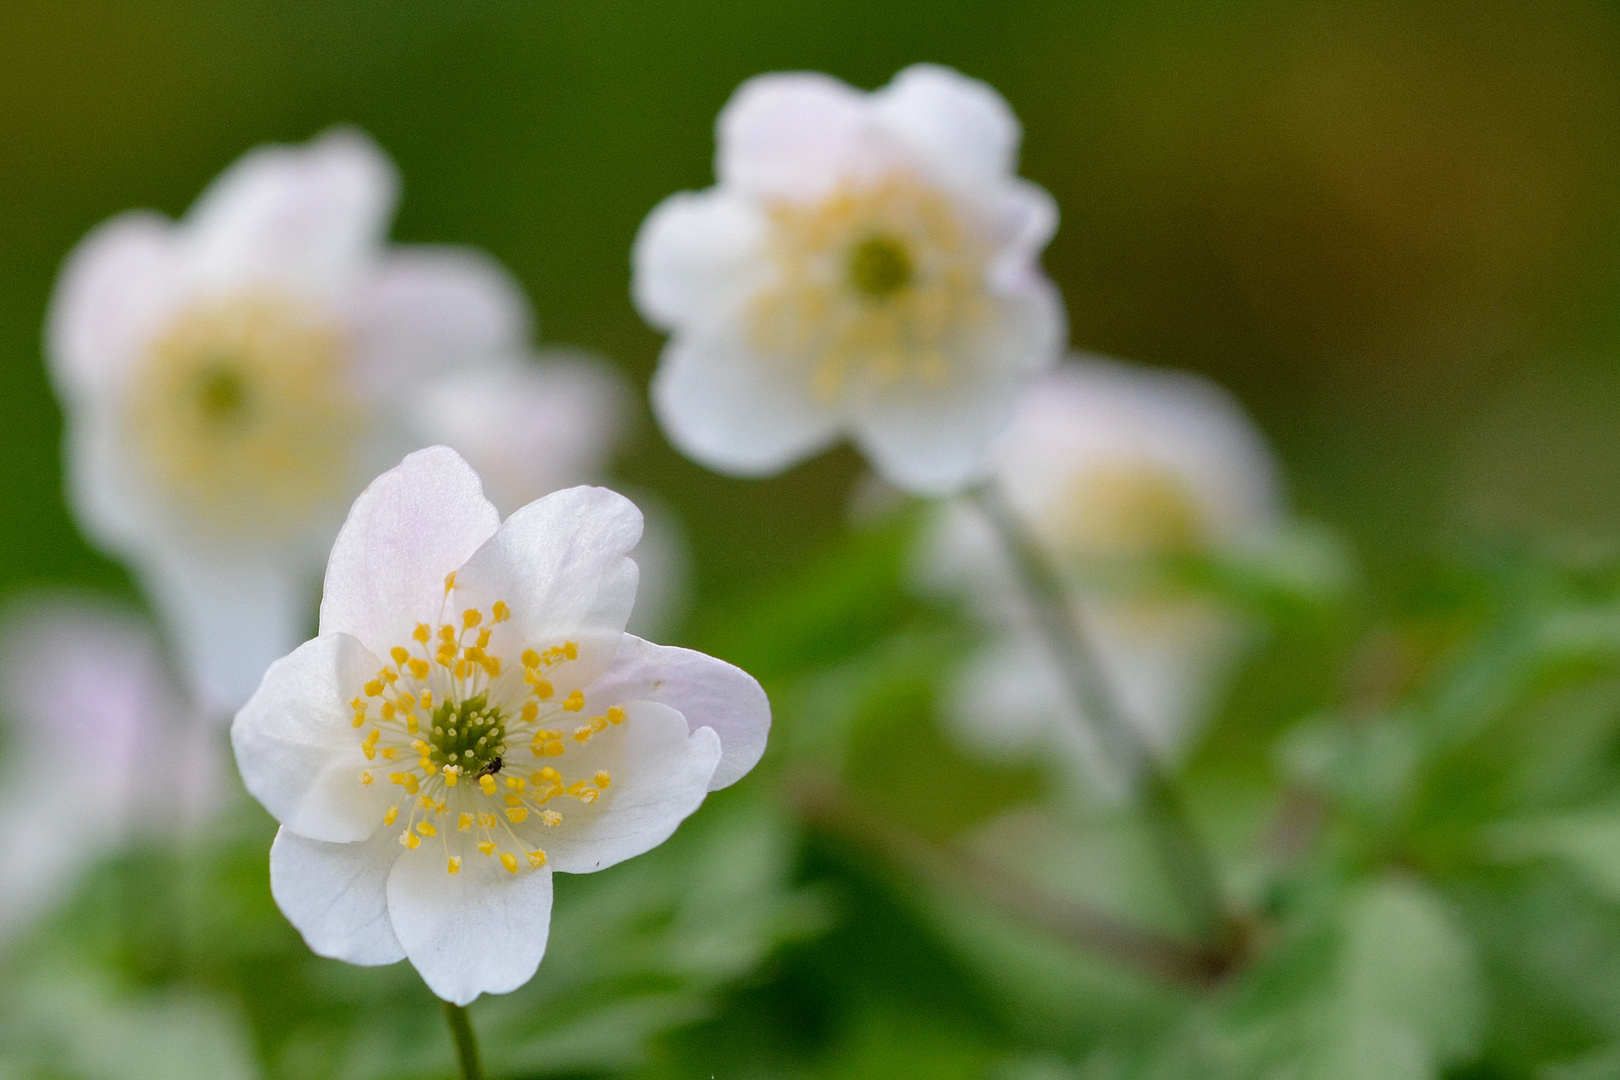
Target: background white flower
pixel 1112 466
pixel 100 743
pixel 473 717
pixel 233 379
pixel 867 264
pixel 534 425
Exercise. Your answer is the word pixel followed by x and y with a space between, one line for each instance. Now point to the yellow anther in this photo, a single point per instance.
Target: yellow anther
pixel 501 611
pixel 358 705
pixel 404 780
pixel 487 820
pixel 420 746
pixel 373 688
pixel 359 718
pixel 516 814
pixel 427 699
pixel 419 667
pixel 509 861
pixel 582 733
pixel 554 748
pixel 599 723
pixel 406 700
pixel 447 633
pixel 388 818
pixel 549 775
pixel 452 775
pixel 471 618
pixel 422 632
pixel 411 725
pixel 426 765
pixel 483 638
pixel 409 839
pixel 516 783
pixel 487 783
pixel 388 710
pixel 390 753
pixel 427 803
pixel 615 715
pixel 464 822
pixel 537 859
pixel 373 735
pixel 603 779
pixel 461 669
pixel 399 653
pixel 388 677
pixel 493 666
pixel 454 866
pixel 588 795
pixel 531 712
pixel 542 689
pixel 473 653
pixel 487 847
pixel 530 658
pixel 449 581
pixel 570 650
pixel 575 701
pixel 512 800
pixel 366 779
pixel 551 817
pixel 369 750
pixel 426 829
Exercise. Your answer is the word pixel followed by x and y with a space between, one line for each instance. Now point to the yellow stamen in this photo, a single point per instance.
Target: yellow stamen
pixel 454 866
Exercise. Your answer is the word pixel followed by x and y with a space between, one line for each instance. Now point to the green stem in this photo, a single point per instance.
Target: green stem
pixel 1188 865
pixel 466 1042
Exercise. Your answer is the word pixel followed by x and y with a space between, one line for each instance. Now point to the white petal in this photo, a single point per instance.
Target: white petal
pixel 1022 219
pixel 792 134
pixel 114 292
pixel 302 218
pixel 562 565
pixel 435 309
pixel 708 692
pixel 337 895
pixel 725 408
pixel 480 931
pixel 959 126
pixel 696 258
pixel 297 748
pixel 410 528
pixel 660 768
pixel 527 428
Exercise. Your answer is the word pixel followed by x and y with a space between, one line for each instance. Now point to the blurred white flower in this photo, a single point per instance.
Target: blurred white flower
pixel 529 427
pixel 99 744
pixel 233 379
pixel 1113 467
pixel 867 264
pixel 472 717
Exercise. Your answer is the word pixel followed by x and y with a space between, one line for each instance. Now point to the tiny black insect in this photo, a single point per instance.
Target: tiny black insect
pixel 491 769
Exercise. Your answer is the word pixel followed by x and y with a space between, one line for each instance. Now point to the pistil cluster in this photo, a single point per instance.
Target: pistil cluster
pixel 467 728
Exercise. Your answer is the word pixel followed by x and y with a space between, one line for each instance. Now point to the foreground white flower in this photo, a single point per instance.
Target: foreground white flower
pixel 232 380
pixel 100 743
pixel 1113 467
pixel 473 717
pixel 867 264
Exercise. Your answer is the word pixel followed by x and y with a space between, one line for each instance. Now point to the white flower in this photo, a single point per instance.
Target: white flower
pixel 232 380
pixel 473 717
pixel 868 263
pixel 1111 466
pixel 100 745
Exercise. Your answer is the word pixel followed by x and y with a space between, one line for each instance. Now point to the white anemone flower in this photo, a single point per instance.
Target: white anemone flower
pixel 232 380
pixel 867 264
pixel 92 714
pixel 473 717
pixel 1111 466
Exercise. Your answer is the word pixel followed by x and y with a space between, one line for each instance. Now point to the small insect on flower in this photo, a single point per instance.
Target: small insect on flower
pixel 525 731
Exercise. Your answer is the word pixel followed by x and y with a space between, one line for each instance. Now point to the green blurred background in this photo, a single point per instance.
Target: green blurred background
pixel 1390 228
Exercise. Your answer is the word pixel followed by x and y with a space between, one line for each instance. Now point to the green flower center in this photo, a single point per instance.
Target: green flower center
pixel 469 734
pixel 879 266
pixel 222 392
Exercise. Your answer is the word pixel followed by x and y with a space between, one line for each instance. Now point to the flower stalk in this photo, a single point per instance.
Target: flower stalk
pixel 466 1042
pixel 1188 864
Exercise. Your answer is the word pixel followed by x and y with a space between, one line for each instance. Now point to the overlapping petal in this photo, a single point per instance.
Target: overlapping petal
pixel 694 258
pixel 960 126
pixel 789 135
pixel 337 895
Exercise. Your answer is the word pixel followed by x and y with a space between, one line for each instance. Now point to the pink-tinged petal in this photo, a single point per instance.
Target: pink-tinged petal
pixel 479 931
pixel 114 293
pixel 410 528
pixel 725 407
pixel 305 219
pixel 960 127
pixel 708 692
pixel 790 135
pixel 561 564
pixel 660 771
pixel 298 751
pixel 435 309
pixel 336 895
pixel 696 258
pixel 527 428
